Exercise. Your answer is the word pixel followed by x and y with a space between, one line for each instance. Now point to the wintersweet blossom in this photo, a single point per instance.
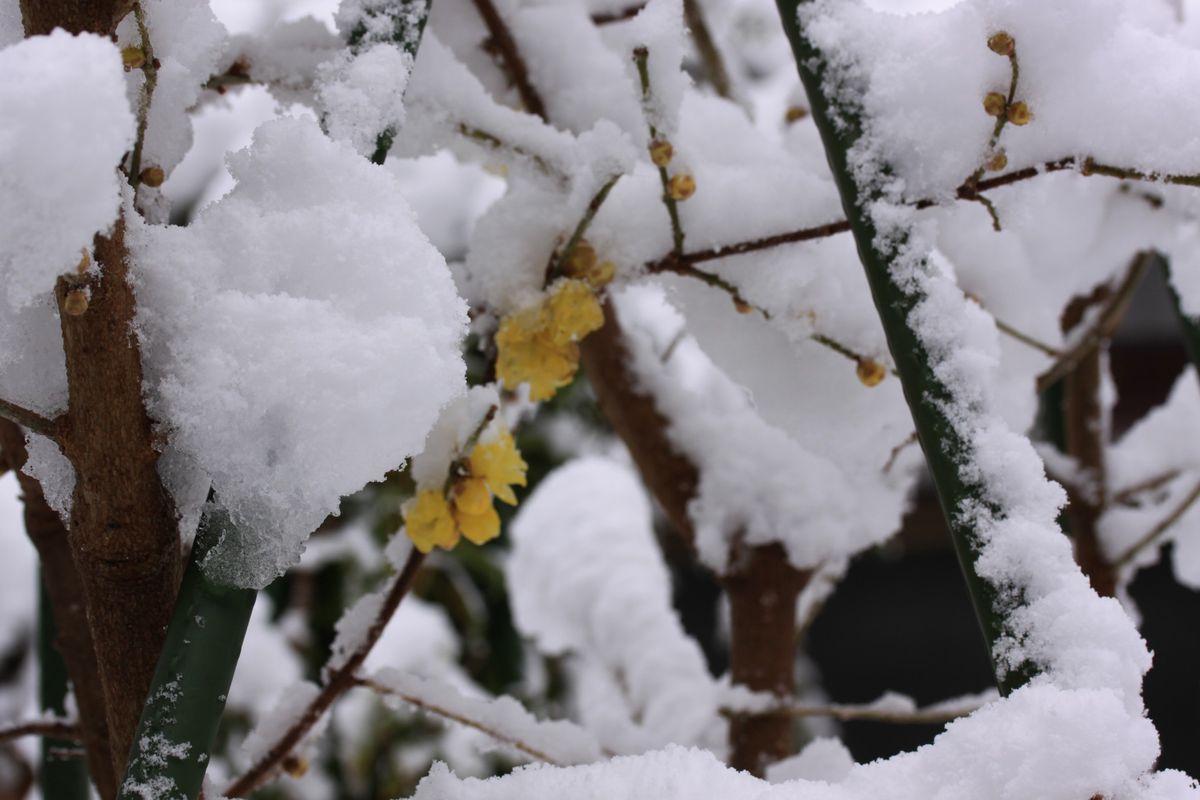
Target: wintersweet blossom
pixel 538 345
pixel 499 465
pixel 429 522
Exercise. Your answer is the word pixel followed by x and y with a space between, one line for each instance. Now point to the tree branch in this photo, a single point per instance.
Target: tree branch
pixel 1158 530
pixel 513 62
pixel 336 684
pixel 30 420
pixel 47 728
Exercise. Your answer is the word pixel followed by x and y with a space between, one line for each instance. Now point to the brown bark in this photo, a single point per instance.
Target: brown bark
pixel 762 586
pixel 76 16
pixel 762 591
pixel 74 640
pixel 124 533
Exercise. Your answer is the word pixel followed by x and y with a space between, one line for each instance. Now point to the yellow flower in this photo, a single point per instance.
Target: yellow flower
pixel 537 345
pixel 429 522
pixel 479 528
pixel 574 312
pixel 499 464
pixel 471 496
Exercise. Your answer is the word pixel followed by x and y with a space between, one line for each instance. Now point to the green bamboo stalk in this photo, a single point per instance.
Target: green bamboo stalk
pixel 187 696
pixel 926 395
pixel 63 776
pixel 403 26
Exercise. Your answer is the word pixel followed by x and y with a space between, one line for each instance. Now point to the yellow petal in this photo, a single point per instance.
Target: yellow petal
pixel 479 528
pixel 499 464
pixel 471 496
pixel 575 312
pixel 429 523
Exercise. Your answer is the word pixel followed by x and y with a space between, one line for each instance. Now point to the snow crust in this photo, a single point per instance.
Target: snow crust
pixel 301 337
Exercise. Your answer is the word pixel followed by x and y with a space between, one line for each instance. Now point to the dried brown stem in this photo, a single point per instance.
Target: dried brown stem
pixel 65 590
pixel 432 708
pixel 514 64
pixel 337 681
pixel 850 713
pixel 48 728
pixel 608 18
pixel 1128 495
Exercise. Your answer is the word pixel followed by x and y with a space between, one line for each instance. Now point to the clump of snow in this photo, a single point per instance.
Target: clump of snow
pixel 300 339
pixel 50 468
pixel 586 578
pixel 822 759
pixel 65 126
pixel 446 442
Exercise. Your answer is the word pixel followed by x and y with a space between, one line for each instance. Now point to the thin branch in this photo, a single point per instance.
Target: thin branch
pixel 641 57
pixel 150 73
pixel 47 728
pixel 706 46
pixel 555 265
pixel 432 708
pixel 496 143
pixel 609 17
pixel 336 684
pixel 898 449
pixel 513 62
pixel 1158 530
pixel 873 713
pixel 30 420
pixel 1102 330
pixel 1019 335
pixel 1127 495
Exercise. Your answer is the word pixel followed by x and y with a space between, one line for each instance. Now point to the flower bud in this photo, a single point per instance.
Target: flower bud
pixel 998 161
pixel 296 766
pixel 582 259
pixel 1002 44
pixel 994 104
pixel 794 114
pixel 153 176
pixel 661 152
pixel 681 186
pixel 1019 113
pixel 133 58
pixel 85 261
pixel 742 306
pixel 75 303
pixel 870 372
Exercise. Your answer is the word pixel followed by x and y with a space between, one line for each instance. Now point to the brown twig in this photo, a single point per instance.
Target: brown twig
pixel 1126 496
pixel 31 420
pixel 850 713
pixel 641 57
pixel 706 46
pixel 150 73
pixel 48 728
pixel 1102 330
pixel 557 260
pixel 432 708
pixel 337 681
pixel 514 64
pixel 609 17
pixel 1159 529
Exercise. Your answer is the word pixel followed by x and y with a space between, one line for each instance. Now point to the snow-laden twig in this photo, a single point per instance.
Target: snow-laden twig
pixel 149 69
pixel 553 742
pixel 30 420
pixel 514 64
pixel 1158 530
pixel 337 681
pixel 891 707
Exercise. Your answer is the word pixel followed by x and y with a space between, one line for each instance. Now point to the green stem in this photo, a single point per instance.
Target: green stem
pixel 641 57
pixel 929 398
pixel 187 696
pixel 64 777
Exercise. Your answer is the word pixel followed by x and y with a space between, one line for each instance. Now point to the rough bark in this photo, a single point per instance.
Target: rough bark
pixel 762 586
pixel 124 533
pixel 77 16
pixel 74 640
pixel 762 590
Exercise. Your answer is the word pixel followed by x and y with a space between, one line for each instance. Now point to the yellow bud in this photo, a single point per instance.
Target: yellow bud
pixel 1019 113
pixel 994 104
pixel 794 114
pixel 85 261
pixel 153 176
pixel 601 275
pixel 1002 44
pixel 661 152
pixel 742 306
pixel 998 161
pixel 870 372
pixel 295 766
pixel 75 303
pixel 681 186
pixel 582 259
pixel 133 58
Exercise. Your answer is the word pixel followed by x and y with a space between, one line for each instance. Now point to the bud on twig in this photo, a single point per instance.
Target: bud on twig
pixel 133 58
pixel 1002 44
pixel 1019 113
pixel 870 372
pixel 681 186
pixel 661 152
pixel 153 176
pixel 75 303
pixel 994 104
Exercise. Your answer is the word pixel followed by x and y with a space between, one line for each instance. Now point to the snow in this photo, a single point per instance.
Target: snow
pixel 265 319
pixel 586 579
pixel 58 187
